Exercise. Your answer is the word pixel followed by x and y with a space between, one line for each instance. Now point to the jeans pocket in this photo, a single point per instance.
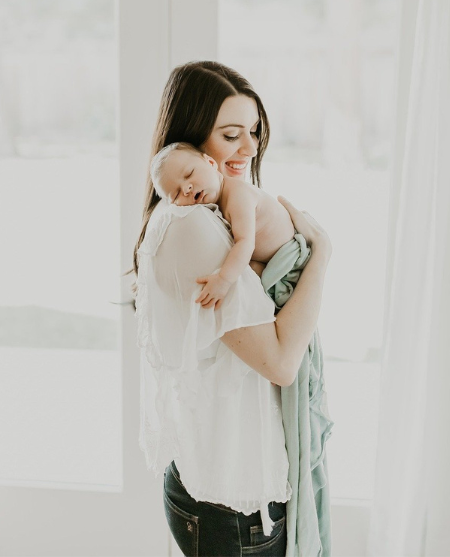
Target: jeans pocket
pixel 264 545
pixel 184 527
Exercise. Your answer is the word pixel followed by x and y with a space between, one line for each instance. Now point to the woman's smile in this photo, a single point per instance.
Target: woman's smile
pixel 236 168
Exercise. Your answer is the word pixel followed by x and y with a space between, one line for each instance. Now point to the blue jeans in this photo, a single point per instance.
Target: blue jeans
pixel 207 529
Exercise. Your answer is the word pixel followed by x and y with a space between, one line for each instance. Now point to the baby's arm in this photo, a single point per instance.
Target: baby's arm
pixel 241 208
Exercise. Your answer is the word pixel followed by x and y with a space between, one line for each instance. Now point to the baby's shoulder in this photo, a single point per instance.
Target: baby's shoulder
pixel 239 188
pixel 237 183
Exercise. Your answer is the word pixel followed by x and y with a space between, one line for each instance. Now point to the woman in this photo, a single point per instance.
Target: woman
pixel 211 379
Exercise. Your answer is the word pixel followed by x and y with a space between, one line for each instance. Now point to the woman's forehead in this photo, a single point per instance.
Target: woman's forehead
pixel 238 110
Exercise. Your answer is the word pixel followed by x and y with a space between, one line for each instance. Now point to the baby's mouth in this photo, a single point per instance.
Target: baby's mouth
pixel 197 196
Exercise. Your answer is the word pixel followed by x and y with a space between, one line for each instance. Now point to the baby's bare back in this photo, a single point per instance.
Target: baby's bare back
pixel 273 224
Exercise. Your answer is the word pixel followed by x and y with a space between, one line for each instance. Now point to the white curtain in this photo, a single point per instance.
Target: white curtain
pixel 411 510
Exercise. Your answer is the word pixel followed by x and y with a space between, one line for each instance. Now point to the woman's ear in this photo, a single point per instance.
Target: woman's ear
pixel 210 160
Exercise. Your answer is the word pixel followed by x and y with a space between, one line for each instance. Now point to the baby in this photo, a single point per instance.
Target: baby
pixel 259 223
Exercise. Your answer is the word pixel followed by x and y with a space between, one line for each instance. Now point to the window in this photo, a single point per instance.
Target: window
pixel 59 337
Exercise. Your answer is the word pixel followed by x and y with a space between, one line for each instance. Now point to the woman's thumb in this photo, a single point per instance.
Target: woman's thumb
pixel 201 280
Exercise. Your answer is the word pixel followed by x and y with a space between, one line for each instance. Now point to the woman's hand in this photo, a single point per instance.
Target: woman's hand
pixel 306 225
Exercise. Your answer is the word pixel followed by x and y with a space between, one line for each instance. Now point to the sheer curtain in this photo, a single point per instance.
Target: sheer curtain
pixel 411 510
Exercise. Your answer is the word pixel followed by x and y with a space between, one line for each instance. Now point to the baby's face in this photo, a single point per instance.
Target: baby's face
pixel 189 179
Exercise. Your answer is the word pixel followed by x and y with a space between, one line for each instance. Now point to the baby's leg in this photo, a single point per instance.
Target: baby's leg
pixel 257 266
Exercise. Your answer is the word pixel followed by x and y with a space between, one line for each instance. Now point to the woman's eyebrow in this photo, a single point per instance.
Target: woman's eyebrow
pixel 237 126
pixel 231 126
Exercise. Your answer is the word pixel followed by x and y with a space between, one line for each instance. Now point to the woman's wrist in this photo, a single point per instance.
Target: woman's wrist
pixel 321 246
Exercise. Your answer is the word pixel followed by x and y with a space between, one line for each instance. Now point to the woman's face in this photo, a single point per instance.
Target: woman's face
pixel 233 143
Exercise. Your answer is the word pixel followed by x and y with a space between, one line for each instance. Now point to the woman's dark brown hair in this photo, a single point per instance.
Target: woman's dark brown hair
pixel 189 107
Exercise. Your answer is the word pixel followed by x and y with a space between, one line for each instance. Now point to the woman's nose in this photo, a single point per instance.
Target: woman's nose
pixel 249 146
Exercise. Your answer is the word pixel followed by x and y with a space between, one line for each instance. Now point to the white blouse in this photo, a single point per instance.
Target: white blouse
pixel 201 405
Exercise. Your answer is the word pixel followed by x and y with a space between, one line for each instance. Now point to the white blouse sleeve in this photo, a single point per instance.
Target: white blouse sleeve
pixel 174 328
pixel 179 337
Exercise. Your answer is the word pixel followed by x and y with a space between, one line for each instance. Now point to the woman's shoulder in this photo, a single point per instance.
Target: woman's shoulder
pixel 183 221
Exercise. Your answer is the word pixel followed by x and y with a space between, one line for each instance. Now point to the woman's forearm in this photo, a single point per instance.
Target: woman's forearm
pixel 297 320
pixel 275 350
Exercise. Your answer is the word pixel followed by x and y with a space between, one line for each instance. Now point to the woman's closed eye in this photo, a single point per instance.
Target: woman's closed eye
pixel 234 137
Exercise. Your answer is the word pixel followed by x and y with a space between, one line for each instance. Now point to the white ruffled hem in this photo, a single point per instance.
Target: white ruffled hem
pixel 242 504
pixel 160 451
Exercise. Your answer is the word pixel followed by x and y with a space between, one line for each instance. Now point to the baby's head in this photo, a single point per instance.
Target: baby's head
pixel 185 176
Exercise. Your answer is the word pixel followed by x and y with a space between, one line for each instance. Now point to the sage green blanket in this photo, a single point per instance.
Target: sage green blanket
pixel 306 422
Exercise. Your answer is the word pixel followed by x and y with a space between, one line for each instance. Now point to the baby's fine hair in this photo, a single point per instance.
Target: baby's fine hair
pixel 157 162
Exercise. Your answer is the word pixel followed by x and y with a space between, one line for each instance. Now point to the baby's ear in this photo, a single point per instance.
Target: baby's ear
pixel 210 160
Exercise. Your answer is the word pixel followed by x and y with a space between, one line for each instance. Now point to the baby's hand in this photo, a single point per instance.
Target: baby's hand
pixel 213 292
